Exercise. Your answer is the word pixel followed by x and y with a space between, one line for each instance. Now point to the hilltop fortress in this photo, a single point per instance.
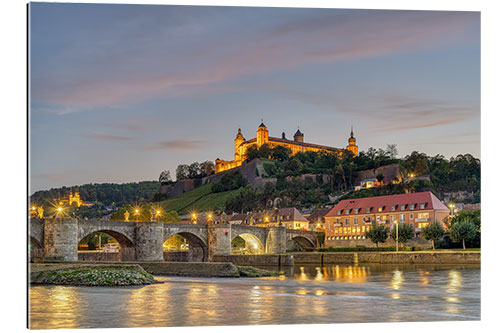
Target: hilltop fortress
pixel 241 146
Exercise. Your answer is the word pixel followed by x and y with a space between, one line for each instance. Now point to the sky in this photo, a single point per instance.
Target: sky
pixel 119 93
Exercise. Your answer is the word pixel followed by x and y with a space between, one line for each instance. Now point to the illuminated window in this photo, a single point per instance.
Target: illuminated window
pixel 381 208
pixel 363 229
pixel 336 230
pixel 356 211
pixel 378 218
pixel 339 212
pixel 358 229
pixel 402 218
pixel 423 215
pixel 393 218
pixel 403 207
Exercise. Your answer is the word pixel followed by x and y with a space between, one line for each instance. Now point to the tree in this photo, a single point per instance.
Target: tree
pixel 165 177
pixel 280 153
pixel 377 234
pixel 194 170
pixel 182 171
pixel 405 233
pixel 207 168
pixel 380 177
pixel 433 232
pixel 392 150
pixel 464 230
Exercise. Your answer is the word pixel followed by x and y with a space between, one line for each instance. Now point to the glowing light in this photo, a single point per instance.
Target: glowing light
pixel 59 209
pixel 33 208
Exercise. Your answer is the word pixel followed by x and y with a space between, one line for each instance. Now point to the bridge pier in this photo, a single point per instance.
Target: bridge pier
pixel 219 240
pixel 149 241
pixel 276 240
pixel 61 238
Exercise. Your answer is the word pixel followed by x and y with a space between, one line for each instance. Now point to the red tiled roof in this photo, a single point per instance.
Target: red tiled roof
pixel 386 202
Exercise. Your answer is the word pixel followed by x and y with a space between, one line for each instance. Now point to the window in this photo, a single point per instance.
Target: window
pixel 403 207
pixel 422 205
pixel 411 216
pixel 368 209
pixel 423 215
pixel 363 229
pixel 402 218
pixel 412 206
pixel 336 231
pixel 356 211
pixel 339 212
pixel 393 218
pixel 346 221
pixel 367 229
pixel 347 211
pixel 411 225
pixel 378 218
pixel 393 208
pixel 355 220
pixel 358 230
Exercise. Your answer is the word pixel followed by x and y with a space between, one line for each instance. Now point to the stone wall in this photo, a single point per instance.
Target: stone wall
pixel 257 259
pixel 61 238
pixel 431 257
pixel 420 242
pixel 99 256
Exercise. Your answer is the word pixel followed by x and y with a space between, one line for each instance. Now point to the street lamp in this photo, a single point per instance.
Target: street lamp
pixel 452 206
pixel 193 218
pixel 397 235
pixel 158 214
pixel 136 214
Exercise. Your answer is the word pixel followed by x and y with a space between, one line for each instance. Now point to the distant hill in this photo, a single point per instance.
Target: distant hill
pixel 106 193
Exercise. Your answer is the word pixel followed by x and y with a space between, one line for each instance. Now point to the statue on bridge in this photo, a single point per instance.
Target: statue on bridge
pixel 126 215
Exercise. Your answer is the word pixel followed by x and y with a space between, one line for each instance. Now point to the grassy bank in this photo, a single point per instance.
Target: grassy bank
pixel 199 199
pixel 91 276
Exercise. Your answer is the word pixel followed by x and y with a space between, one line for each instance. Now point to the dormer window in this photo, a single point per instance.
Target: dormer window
pixel 339 212
pixel 412 206
pixel 381 208
pixel 422 205
pixel 356 211
pixel 403 207
pixel 347 211
pixel 393 208
pixel 368 209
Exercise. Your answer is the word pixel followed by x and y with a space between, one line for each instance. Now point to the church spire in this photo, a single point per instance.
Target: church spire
pixel 352 133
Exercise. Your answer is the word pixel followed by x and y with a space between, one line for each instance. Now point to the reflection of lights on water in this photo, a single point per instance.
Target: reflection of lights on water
pixel 453 287
pixel 302 292
pixel 455 281
pixel 319 275
pixel 303 275
pixel 353 274
pixel 397 280
pixel 395 296
pixel 320 293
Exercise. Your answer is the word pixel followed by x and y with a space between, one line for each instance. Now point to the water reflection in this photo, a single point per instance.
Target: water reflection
pixel 309 294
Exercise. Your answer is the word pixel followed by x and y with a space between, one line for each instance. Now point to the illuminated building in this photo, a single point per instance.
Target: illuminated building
pixel 350 219
pixel 296 145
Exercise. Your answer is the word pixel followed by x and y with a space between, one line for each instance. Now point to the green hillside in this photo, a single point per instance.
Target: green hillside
pixel 200 199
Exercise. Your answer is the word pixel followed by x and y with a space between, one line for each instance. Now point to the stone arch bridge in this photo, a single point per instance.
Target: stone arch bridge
pixel 143 241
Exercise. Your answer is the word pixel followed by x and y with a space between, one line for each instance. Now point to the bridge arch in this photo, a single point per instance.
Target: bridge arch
pixel 300 243
pixel 126 245
pixel 198 249
pixel 253 245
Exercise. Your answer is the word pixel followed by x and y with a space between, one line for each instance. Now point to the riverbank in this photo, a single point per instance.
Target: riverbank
pixel 323 258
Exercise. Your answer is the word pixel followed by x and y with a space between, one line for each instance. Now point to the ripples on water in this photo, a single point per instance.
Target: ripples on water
pixel 305 295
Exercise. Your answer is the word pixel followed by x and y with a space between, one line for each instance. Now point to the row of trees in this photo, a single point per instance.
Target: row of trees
pixel 105 194
pixel 465 227
pixel 195 170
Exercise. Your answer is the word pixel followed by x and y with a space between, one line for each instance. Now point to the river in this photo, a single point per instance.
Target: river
pixel 304 295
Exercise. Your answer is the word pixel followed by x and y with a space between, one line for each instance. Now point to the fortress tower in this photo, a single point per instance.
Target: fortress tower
pixel 352 144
